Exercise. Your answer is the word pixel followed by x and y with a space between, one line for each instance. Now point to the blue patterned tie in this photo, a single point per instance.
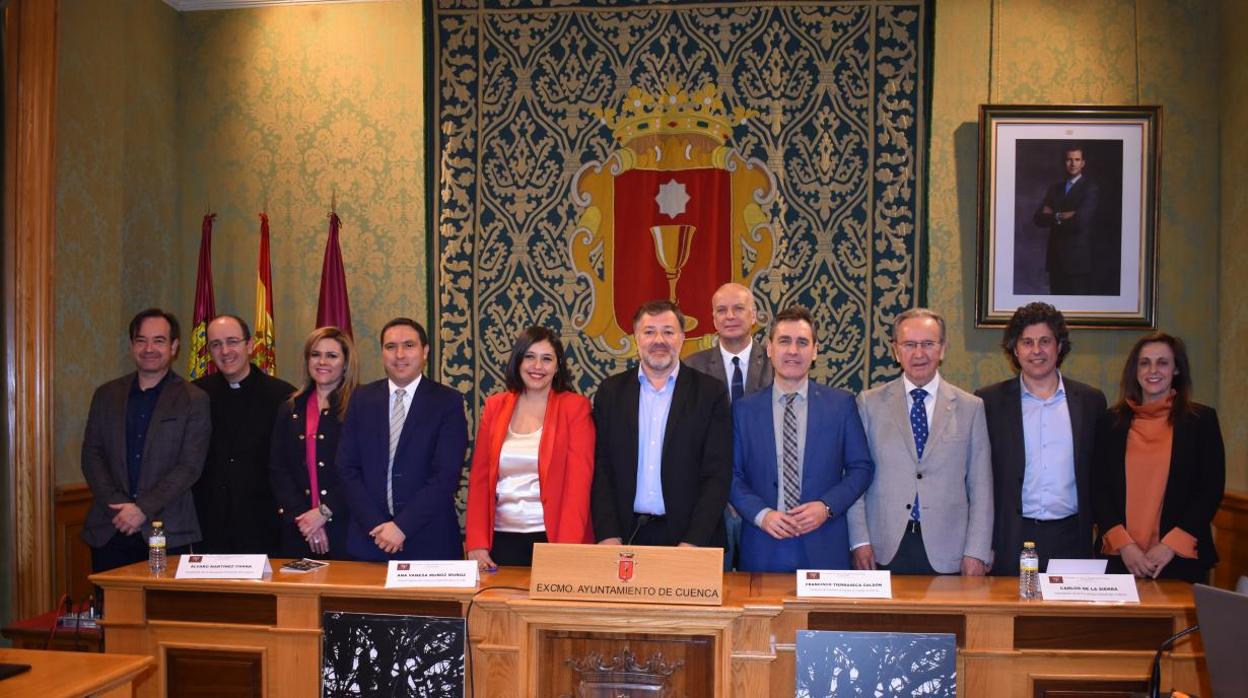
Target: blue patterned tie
pixel 918 425
pixel 1069 184
pixel 738 384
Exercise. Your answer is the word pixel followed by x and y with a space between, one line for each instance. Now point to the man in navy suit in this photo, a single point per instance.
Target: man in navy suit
pixel 800 460
pixel 400 455
pixel 1068 211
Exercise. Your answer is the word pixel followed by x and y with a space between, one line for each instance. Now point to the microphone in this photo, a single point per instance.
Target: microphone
pixel 1154 681
pixel 642 520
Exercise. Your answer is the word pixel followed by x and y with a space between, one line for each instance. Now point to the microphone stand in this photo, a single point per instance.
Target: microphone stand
pixel 1154 681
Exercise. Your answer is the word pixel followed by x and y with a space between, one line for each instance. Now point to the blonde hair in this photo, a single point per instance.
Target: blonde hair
pixel 350 372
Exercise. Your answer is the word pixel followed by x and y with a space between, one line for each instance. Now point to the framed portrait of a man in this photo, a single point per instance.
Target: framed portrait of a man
pixel 1068 212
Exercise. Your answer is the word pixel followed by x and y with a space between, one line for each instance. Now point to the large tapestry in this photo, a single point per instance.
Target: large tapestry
pixel 593 154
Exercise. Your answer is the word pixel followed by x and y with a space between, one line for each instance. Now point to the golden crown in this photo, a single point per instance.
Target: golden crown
pixel 673 111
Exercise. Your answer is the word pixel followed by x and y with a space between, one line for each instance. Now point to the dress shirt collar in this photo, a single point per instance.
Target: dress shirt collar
pixel 1060 392
pixel 932 387
pixel 409 389
pixel 669 383
pixel 777 394
pixel 744 354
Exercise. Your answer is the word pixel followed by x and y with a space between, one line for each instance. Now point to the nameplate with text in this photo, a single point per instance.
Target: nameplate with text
pixel 1104 588
pixel 850 584
pixel 223 567
pixel 628 574
pixel 455 574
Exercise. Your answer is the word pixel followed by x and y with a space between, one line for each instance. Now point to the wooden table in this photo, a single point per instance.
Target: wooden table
pixel 72 674
pixel 265 635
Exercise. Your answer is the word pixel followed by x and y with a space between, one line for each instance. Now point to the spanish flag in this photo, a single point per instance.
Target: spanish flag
pixel 200 364
pixel 264 353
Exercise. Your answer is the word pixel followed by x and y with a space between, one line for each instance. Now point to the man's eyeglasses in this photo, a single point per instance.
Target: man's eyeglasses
pixel 231 342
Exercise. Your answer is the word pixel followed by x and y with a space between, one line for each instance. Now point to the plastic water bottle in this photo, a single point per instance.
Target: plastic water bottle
pixel 1029 572
pixel 156 548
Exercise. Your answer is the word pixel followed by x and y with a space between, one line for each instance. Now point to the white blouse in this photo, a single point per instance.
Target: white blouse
pixel 519 494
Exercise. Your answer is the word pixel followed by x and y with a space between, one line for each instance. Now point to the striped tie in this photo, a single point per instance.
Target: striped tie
pixel 398 414
pixel 792 483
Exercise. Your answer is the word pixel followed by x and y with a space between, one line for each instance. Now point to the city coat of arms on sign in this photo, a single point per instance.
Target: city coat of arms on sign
pixel 673 213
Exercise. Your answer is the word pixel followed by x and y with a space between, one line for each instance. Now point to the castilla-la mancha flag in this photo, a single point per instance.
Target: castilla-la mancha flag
pixel 333 308
pixel 264 352
pixel 199 363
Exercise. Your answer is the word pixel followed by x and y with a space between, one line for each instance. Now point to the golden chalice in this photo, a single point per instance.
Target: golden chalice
pixel 671 246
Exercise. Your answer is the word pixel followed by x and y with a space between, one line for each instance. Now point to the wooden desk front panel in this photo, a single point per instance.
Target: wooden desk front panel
pixel 517 645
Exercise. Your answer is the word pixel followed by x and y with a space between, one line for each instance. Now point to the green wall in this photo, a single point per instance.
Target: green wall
pixel 1103 52
pixel 117 236
pixel 287 106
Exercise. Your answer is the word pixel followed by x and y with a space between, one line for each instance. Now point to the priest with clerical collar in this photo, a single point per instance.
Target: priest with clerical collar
pixel 234 500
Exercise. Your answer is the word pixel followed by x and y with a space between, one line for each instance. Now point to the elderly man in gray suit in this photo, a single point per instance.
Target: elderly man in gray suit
pixel 929 508
pixel 146 439
pixel 741 365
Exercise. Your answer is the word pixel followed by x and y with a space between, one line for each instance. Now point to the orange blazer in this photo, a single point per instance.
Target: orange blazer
pixel 565 469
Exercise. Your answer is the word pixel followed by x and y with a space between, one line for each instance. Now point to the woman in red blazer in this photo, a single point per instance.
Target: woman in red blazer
pixel 533 461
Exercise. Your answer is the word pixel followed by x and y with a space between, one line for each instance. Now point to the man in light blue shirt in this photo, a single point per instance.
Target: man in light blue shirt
pixel 663 455
pixel 1042 425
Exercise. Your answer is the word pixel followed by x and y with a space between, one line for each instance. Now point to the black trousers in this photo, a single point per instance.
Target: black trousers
pixel 121 550
pixel 515 549
pixel 911 557
pixel 1054 539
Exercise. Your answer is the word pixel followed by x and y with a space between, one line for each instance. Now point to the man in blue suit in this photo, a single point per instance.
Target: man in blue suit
pixel 400 454
pixel 800 460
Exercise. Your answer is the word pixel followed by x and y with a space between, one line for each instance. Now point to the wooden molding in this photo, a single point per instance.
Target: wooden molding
pixel 1230 535
pixel 30 94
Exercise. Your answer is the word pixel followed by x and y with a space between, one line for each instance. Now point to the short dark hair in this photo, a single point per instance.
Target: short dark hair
pixel 527 338
pixel 790 314
pixel 406 322
pixel 1034 314
pixel 1072 148
pixel 241 323
pixel 1129 387
pixel 658 307
pixel 175 330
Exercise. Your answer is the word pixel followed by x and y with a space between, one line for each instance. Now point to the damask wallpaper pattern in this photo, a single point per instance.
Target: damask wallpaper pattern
pixel 838 88
pixel 344 82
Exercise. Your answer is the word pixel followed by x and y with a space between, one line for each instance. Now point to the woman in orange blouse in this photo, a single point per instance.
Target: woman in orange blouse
pixel 533 461
pixel 1161 468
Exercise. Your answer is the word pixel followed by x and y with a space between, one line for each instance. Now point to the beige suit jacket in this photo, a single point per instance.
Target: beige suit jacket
pixel 953 479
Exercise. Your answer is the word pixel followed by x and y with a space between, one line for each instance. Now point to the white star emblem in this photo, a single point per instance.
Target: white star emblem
pixel 672 198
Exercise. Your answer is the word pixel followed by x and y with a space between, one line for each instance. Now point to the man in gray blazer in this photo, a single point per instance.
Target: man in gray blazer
pixel 741 365
pixel 738 361
pixel 146 439
pixel 929 508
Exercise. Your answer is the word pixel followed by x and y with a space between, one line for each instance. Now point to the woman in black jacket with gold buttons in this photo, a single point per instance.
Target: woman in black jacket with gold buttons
pixel 305 482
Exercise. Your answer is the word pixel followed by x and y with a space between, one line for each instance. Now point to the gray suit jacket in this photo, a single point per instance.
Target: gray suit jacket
pixel 173 457
pixel 757 375
pixel 953 479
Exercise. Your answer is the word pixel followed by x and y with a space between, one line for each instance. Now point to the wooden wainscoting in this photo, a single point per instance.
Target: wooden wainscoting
pixel 72 556
pixel 1230 535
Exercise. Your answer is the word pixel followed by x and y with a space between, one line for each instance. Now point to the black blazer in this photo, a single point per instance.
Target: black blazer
pixel 1003 408
pixel 1070 244
pixel 288 473
pixel 1193 489
pixel 697 457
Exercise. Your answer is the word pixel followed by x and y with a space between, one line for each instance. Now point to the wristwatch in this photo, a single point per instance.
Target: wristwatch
pixel 326 512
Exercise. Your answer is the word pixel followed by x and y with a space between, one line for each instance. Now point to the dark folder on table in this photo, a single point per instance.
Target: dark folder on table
pixel 7 670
